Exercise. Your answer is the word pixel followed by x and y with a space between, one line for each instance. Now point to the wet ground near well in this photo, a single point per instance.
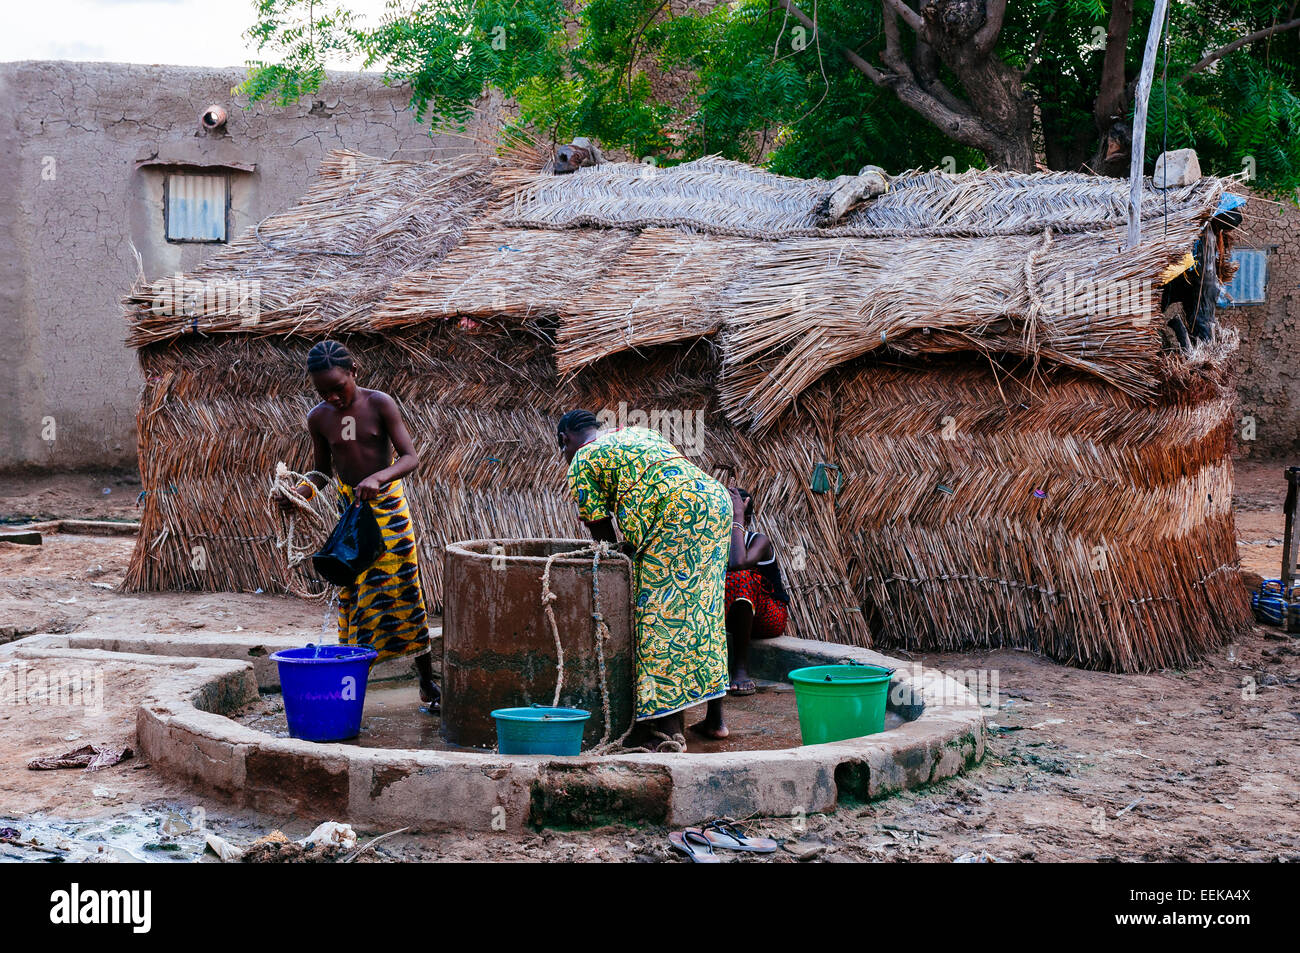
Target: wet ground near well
pixel 394 717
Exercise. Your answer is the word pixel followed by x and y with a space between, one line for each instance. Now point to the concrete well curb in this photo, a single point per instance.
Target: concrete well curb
pixel 236 646
pixel 183 731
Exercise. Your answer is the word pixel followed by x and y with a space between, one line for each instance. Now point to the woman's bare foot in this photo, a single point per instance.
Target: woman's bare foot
pixel 430 694
pixel 712 726
pixel 705 730
pixel 741 684
pixel 651 734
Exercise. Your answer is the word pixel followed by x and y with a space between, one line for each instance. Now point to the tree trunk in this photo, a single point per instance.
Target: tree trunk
pixel 1110 111
pixel 995 91
pixel 1016 156
pixel 997 115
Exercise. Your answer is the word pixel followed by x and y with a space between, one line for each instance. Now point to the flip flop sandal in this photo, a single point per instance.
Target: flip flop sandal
pixel 735 689
pixel 730 837
pixel 694 845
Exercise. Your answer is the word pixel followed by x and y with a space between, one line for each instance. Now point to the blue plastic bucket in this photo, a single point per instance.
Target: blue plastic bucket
pixel 324 689
pixel 539 730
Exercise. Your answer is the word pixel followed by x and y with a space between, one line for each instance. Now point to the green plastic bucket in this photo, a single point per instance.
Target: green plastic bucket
pixel 840 701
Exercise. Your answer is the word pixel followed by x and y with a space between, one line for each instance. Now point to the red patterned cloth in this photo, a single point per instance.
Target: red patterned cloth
pixel 769 614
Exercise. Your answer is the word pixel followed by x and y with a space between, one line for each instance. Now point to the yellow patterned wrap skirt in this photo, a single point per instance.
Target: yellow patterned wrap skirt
pixel 384 608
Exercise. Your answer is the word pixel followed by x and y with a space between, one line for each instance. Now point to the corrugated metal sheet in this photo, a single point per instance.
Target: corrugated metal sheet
pixel 1250 284
pixel 196 208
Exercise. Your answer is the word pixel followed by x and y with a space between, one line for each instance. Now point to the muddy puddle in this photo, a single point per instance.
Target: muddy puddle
pixel 144 836
pixel 394 717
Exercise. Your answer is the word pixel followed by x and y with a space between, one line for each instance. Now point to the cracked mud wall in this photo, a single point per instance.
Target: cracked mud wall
pixel 1268 363
pixel 73 203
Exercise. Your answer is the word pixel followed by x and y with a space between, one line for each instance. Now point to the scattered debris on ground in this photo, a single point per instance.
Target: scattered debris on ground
pixel 87 757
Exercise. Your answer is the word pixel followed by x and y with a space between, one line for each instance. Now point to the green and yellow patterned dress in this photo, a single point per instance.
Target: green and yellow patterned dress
pixel 679 519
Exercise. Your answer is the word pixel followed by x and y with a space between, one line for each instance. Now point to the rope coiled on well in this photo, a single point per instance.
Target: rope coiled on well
pixel 315 513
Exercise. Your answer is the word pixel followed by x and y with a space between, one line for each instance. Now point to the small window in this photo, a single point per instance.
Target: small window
pixel 195 207
pixel 1250 284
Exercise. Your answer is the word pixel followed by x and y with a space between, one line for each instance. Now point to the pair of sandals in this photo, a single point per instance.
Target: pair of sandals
pixel 699 843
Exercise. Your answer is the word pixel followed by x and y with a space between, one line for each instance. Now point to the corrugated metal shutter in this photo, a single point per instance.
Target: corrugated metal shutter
pixel 1250 284
pixel 196 208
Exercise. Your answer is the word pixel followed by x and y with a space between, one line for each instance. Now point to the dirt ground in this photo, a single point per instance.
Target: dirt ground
pixel 1190 765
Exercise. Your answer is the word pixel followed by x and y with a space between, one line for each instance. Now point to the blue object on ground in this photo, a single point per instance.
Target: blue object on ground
pixel 324 689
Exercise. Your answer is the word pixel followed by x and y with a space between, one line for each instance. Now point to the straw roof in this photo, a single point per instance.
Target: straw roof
pixel 488 296
pixel 719 196
pixel 625 259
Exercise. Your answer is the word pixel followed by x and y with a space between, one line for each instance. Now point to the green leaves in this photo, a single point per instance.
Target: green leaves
pixel 748 81
pixel 1242 112
pixel 298 35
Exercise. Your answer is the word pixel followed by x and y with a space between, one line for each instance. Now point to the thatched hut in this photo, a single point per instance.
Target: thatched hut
pixel 975 356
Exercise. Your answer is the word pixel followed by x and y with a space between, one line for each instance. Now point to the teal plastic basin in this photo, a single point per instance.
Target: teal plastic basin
pixel 540 730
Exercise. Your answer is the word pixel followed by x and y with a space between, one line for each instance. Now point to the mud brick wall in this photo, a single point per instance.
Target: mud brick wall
pixel 1268 363
pixel 79 200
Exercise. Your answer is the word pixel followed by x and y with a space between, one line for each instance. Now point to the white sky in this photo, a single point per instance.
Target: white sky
pixel 179 32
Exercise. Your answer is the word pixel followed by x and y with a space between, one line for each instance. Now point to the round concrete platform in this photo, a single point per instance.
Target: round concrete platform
pixel 184 732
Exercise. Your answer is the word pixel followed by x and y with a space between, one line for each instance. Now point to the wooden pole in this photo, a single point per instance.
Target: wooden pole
pixel 1289 534
pixel 1140 124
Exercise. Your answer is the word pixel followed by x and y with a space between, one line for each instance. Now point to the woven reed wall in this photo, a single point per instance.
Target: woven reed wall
pixel 937 540
pixel 1015 474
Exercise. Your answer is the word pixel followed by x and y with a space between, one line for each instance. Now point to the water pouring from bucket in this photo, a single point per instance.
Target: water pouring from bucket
pixel 324 689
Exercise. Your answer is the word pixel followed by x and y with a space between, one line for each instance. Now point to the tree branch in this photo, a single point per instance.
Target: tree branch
pixel 1032 59
pixel 910 16
pixel 892 55
pixel 1223 51
pixel 857 62
pixel 636 38
pixel 967 128
pixel 1112 97
pixel 987 35
pixel 927 74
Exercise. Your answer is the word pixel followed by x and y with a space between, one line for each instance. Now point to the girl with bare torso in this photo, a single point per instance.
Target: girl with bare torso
pixel 355 433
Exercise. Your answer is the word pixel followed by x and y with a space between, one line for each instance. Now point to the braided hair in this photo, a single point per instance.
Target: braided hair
pixel 576 421
pixel 328 354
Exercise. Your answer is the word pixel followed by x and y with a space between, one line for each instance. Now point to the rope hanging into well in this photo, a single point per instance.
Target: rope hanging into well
pixel 602 634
